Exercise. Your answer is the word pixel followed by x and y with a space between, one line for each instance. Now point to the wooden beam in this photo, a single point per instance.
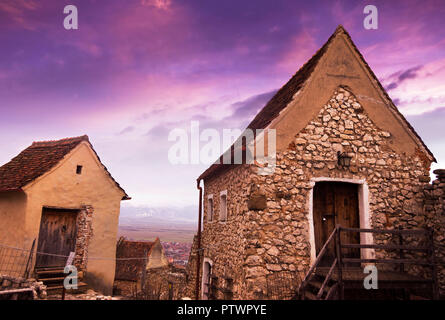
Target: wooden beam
pixel 385 246
pixel 393 261
pixel 391 231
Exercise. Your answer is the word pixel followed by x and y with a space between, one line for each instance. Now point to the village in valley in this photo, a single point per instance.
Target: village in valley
pixel 328 190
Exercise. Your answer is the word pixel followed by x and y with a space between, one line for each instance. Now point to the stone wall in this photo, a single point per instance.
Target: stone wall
pixel 189 289
pixel 267 230
pixel 126 288
pixel 165 283
pixel 224 241
pixel 434 206
pixel 161 283
pixel 84 234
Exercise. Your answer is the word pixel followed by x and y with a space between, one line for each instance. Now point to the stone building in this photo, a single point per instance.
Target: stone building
pixel 344 155
pixel 159 281
pixel 60 195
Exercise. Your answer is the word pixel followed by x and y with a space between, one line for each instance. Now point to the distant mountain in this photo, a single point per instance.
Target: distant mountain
pixel 142 215
pixel 170 224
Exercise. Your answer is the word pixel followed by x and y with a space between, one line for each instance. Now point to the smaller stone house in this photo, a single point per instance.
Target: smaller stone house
pixel 60 195
pixel 131 258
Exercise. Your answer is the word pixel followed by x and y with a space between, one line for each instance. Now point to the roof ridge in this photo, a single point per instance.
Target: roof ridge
pixel 50 143
pixel 139 241
pixel 339 29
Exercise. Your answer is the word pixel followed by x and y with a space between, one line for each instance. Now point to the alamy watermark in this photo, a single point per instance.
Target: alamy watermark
pixel 371 21
pixel 71 21
pixel 70 281
pixel 371 280
pixel 251 146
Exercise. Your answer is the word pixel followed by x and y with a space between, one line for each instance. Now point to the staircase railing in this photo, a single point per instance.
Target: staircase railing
pixel 339 262
pixel 310 274
pixel 429 260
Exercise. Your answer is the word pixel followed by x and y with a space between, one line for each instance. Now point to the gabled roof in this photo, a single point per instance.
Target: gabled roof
pixel 285 95
pixel 130 258
pixel 39 158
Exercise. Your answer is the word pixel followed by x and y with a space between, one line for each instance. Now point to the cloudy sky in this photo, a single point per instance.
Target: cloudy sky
pixel 136 69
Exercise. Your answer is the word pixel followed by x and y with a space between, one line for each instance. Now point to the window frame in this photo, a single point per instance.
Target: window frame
pixel 210 209
pixel 223 194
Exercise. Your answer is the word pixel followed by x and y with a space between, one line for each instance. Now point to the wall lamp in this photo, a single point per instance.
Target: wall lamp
pixel 343 159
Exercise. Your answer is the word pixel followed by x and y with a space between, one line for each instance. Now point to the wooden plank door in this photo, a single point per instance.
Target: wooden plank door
pixel 347 215
pixel 57 236
pixel 335 203
pixel 324 218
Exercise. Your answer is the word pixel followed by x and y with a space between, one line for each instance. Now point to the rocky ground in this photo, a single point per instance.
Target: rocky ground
pixel 89 295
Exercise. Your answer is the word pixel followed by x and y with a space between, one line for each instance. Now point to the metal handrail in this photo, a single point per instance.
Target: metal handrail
pixel 327 279
pixel 320 256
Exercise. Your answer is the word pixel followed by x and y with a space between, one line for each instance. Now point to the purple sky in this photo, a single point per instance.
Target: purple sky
pixel 135 69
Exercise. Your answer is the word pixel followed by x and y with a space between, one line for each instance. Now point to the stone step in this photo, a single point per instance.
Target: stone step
pixel 48 271
pixel 41 276
pixel 45 280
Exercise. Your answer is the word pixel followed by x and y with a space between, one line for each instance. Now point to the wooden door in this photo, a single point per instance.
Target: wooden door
pixel 57 236
pixel 335 203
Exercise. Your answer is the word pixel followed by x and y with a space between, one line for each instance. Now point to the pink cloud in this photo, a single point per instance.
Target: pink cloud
pixel 17 10
pixel 160 4
pixel 422 92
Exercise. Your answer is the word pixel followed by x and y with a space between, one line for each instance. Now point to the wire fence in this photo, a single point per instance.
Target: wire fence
pixel 17 262
pixel 14 262
pixel 283 285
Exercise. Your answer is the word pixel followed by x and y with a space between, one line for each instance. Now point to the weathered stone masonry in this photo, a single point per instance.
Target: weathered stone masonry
pixel 224 242
pixel 84 234
pixel 434 206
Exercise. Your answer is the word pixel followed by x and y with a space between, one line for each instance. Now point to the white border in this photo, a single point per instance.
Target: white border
pixel 364 214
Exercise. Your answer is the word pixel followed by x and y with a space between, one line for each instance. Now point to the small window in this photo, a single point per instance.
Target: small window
pixel 223 206
pixel 210 208
pixel 79 170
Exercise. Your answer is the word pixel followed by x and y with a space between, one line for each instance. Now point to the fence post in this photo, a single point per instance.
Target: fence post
pixel 29 262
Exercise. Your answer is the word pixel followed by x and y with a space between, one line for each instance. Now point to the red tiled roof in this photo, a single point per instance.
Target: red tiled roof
pixel 36 160
pixel 284 96
pixel 131 269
